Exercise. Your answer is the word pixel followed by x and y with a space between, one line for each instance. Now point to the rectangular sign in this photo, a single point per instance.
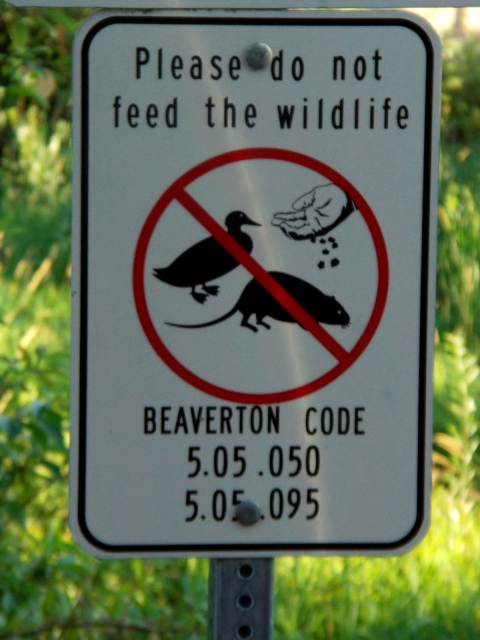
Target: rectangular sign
pixel 253 289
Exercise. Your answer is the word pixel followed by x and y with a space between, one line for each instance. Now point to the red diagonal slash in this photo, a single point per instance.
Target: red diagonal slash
pixel 262 276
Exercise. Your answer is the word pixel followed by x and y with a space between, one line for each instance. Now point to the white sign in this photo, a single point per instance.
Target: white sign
pixel 253 293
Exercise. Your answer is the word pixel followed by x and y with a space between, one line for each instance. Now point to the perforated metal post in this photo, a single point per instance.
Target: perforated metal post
pixel 241 599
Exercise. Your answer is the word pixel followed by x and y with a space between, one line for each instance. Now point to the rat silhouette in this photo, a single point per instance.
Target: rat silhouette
pixel 207 260
pixel 256 300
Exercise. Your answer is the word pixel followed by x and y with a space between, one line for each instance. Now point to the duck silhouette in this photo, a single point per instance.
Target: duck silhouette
pixel 207 260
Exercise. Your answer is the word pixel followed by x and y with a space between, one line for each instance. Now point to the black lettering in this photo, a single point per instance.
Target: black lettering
pixel 142 58
pixel 337 115
pixel 210 106
pixel 229 107
pixel 402 114
pixel 196 418
pixel 309 429
pixel 149 420
pixel 233 66
pixel 164 418
pixel 358 420
pixel 196 70
pixel 171 114
pixel 116 107
pixel 152 115
pixel 214 61
pixel 225 418
pixel 273 419
pixel 210 419
pixel 276 67
pixel 256 420
pixel 343 421
pixel 297 68
pixel 250 114
pixel 132 114
pixel 285 115
pixel 160 64
pixel 386 108
pixel 326 421
pixel 181 422
pixel 176 67
pixel 376 58
pixel 339 61
pixel 241 411
pixel 360 68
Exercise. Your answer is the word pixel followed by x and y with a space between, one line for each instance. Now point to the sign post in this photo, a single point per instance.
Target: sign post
pixel 241 599
pixel 253 289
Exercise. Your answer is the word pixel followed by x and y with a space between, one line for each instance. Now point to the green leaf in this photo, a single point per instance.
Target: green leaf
pixel 19 34
pixel 15 511
pixel 11 426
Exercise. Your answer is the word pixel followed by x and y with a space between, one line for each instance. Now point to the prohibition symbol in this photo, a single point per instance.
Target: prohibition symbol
pixel 289 306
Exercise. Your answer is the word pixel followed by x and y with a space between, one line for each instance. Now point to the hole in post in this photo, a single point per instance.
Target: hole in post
pixel 245 601
pixel 245 571
pixel 245 632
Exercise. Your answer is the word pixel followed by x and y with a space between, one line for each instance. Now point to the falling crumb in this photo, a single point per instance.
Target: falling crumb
pixel 325 252
pixel 321 264
pixel 335 262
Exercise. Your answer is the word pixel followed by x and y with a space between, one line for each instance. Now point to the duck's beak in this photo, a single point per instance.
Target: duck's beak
pixel 251 222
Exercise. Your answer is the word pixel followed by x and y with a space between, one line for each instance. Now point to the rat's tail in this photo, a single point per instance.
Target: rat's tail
pixel 205 324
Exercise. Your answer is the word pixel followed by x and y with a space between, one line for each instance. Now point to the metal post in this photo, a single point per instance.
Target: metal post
pixel 241 599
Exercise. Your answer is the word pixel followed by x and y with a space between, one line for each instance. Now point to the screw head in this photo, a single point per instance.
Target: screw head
pixel 258 55
pixel 248 512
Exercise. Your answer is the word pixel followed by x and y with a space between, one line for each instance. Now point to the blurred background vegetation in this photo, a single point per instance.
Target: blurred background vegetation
pixel 51 589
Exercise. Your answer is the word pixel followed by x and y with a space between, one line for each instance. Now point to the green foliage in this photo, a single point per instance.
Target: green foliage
pixel 35 61
pixel 431 594
pixel 48 584
pixel 457 422
pixel 35 134
pixel 458 253
pixel 35 205
pixel 458 302
pixel 460 91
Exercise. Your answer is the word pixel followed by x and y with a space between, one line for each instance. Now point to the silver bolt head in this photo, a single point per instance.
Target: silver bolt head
pixel 259 55
pixel 248 512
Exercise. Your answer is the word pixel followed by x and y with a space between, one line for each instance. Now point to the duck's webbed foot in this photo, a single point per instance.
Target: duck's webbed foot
pixel 211 289
pixel 198 297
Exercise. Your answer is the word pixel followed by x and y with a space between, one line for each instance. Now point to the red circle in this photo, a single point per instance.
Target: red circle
pixel 170 195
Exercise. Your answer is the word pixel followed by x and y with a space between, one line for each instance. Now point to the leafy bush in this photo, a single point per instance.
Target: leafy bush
pixel 35 134
pixel 35 61
pixel 457 423
pixel 460 92
pixel 458 249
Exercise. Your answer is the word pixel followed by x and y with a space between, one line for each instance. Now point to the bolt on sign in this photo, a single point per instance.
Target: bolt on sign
pixel 253 291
